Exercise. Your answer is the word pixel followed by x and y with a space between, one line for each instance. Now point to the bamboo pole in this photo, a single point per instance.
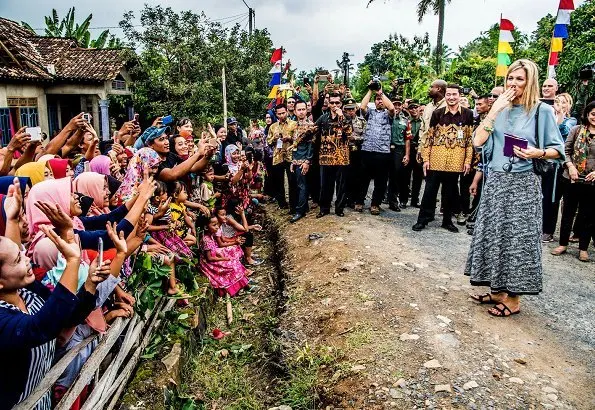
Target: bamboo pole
pixel 224 97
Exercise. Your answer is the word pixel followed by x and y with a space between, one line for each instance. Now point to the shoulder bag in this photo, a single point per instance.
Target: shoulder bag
pixel 540 166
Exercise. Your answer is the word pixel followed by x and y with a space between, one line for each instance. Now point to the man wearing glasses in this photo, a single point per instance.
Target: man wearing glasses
pixel 376 158
pixel 494 94
pixel 334 132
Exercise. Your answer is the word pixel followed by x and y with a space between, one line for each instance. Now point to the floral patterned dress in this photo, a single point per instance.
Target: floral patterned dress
pixel 226 277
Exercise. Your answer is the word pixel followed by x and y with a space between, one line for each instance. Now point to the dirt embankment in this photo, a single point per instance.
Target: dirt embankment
pixel 393 308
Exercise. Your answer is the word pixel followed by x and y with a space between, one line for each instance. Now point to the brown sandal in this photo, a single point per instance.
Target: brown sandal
pixel 359 208
pixel 375 210
pixel 583 256
pixel 559 250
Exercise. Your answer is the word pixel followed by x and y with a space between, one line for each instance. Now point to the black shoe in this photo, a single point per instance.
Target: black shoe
pixel 340 213
pixel 296 218
pixel 450 227
pixel 322 213
pixel 394 208
pixel 418 226
pixel 283 206
pixel 403 205
pixel 415 204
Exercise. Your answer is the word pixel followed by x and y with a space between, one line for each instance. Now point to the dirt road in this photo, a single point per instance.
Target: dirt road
pixel 395 304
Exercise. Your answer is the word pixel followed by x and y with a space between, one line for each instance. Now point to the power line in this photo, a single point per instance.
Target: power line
pixel 231 18
pixel 238 20
pixel 225 18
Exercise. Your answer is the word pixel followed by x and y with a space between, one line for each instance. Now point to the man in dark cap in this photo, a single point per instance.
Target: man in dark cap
pixel 414 169
pixel 358 125
pixel 235 134
pixel 399 150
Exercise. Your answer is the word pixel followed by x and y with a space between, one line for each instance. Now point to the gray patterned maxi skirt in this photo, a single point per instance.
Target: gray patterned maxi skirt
pixel 505 251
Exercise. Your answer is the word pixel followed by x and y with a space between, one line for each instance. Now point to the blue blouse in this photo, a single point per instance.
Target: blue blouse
pixel 516 121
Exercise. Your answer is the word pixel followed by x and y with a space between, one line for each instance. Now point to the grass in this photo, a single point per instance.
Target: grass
pixel 359 337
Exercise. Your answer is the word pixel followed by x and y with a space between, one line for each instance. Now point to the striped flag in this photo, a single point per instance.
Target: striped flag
pixel 560 33
pixel 504 48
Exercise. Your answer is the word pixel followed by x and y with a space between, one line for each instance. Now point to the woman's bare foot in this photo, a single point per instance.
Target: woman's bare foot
pixel 559 250
pixel 583 256
pixel 488 298
pixel 173 291
pixel 509 305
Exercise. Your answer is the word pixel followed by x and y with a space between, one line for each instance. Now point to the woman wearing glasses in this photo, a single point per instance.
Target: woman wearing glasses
pixel 505 251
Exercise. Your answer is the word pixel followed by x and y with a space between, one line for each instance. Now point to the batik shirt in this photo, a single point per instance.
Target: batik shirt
pixel 334 140
pixel 282 151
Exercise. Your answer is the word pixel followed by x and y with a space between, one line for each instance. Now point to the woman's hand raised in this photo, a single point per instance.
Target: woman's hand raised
pixel 57 217
pixel 117 238
pixel 14 201
pixel 67 247
pixel 502 102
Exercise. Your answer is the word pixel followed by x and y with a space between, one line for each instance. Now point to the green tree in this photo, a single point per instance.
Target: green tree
pixel 398 57
pixel 68 28
pixel 180 62
pixel 438 8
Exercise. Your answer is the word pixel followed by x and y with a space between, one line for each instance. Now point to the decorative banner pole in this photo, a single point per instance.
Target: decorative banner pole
pixel 560 33
pixel 504 48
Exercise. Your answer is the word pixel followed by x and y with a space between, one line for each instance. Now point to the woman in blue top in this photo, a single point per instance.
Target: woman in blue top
pixel 505 251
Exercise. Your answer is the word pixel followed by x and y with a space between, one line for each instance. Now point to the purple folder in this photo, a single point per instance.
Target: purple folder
pixel 511 141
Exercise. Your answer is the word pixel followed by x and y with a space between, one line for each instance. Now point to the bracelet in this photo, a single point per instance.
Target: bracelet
pixel 488 129
pixel 544 154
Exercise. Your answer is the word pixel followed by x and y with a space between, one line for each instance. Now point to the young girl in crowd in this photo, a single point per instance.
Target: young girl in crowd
pixel 232 232
pixel 206 193
pixel 221 265
pixel 181 222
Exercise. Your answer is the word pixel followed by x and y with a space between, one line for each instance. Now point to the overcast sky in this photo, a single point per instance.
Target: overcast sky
pixel 315 32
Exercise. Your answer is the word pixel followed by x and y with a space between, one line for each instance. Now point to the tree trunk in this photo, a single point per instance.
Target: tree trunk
pixel 439 41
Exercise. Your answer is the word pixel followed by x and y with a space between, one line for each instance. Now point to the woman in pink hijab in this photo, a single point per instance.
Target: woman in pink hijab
pixel 101 164
pixel 94 185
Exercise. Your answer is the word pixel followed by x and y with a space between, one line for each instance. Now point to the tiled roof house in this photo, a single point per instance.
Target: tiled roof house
pixel 45 81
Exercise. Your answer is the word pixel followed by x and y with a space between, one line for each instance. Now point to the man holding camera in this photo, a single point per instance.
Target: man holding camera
pixel 376 158
pixel 447 152
pixel 280 136
pixel 400 145
pixel 303 151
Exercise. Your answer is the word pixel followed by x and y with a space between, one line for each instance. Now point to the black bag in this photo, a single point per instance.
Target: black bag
pixel 540 166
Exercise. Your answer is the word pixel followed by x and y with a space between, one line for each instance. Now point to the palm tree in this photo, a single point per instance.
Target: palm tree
pixel 67 28
pixel 438 7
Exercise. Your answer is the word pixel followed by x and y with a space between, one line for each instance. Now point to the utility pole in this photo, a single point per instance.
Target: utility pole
pixel 251 17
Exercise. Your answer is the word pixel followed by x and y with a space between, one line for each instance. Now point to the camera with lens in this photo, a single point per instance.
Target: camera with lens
pixel 375 85
pixel 587 71
pixel 401 81
pixel 465 90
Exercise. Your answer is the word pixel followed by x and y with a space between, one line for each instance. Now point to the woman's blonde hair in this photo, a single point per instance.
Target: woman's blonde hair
pixel 530 96
pixel 568 99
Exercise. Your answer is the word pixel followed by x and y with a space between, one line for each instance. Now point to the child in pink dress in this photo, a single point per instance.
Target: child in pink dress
pixel 222 266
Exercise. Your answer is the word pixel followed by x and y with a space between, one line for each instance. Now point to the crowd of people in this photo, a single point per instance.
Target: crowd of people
pixel 76 211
